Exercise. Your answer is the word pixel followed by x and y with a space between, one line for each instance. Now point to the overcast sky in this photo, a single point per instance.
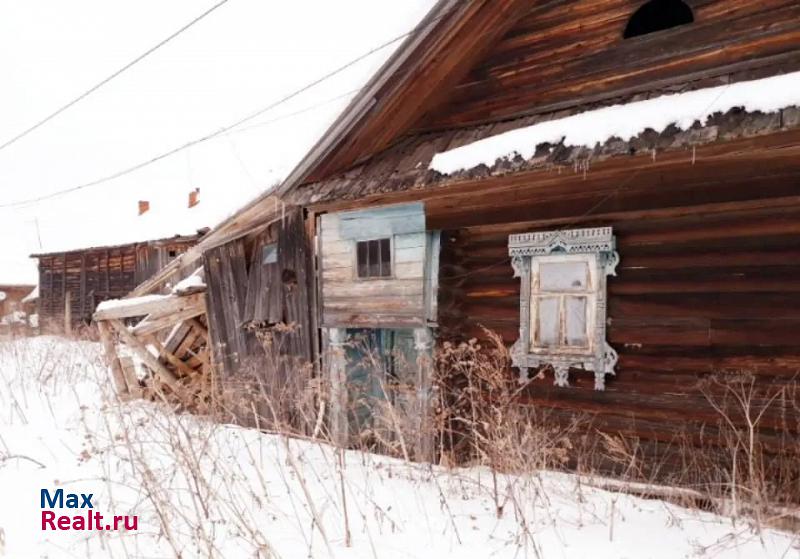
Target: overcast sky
pixel 241 58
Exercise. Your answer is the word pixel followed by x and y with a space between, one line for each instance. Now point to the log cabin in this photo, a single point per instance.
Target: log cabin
pixel 612 187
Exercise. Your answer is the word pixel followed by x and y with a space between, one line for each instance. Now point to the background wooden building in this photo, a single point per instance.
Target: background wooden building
pixel 76 281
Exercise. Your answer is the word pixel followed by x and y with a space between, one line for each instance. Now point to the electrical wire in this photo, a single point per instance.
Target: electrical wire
pixel 225 129
pixel 106 80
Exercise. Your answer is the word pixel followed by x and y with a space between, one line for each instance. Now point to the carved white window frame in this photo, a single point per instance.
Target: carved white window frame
pixel 528 251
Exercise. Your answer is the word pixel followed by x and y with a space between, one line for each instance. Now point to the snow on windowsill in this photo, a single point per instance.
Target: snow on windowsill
pixel 625 121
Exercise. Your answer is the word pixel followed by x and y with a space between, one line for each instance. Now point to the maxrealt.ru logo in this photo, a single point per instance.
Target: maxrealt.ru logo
pixel 86 519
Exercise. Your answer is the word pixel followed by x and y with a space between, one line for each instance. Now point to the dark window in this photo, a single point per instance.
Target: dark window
pixel 374 258
pixel 173 253
pixel 269 253
pixel 657 15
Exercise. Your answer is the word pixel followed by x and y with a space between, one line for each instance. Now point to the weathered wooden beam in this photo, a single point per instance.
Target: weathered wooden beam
pixel 159 305
pixel 151 325
pixel 202 330
pixel 170 357
pixel 129 372
pixel 112 359
pixel 164 374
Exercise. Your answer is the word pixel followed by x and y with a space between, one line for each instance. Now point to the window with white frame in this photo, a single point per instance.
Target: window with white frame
pixel 563 301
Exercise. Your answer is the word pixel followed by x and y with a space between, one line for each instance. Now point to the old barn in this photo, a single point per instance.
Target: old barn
pixel 73 283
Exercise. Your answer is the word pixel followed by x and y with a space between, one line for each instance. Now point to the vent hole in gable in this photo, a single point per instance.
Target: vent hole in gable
pixel 658 15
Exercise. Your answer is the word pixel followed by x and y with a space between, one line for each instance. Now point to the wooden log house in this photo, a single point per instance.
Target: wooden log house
pixel 620 271
pixel 624 270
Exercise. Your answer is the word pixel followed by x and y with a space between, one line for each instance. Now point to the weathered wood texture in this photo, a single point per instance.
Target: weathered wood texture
pixel 570 54
pixel 247 298
pixel 89 277
pixel 485 67
pixel 12 301
pixel 394 301
pixel 404 167
pixel 702 288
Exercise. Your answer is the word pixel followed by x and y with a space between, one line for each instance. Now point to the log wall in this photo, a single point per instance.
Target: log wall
pixel 713 290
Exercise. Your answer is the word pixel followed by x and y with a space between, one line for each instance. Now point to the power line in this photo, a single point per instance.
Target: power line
pixel 224 129
pixel 103 82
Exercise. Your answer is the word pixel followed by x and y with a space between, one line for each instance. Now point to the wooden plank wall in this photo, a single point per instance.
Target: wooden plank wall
pixel 700 293
pixel 247 296
pixel 226 277
pixel 95 275
pixel 392 302
pixel 570 53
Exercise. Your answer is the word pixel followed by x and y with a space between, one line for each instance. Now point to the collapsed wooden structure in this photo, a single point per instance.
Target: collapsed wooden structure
pixel 235 301
pixel 650 262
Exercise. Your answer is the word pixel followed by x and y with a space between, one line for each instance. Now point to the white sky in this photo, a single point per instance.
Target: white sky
pixel 242 57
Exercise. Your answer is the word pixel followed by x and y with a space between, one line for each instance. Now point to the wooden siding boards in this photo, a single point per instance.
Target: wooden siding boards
pixel 570 54
pixel 398 301
pixel 88 277
pixel 247 296
pixel 226 278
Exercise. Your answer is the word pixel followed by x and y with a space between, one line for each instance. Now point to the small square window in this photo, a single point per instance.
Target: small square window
pixel 374 258
pixel 269 253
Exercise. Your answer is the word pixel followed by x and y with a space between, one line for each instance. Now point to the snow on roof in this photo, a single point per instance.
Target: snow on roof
pixel 191 283
pixel 625 121
pixel 121 304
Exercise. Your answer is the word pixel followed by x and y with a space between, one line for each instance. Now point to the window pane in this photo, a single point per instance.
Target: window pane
pixel 269 254
pixel 563 276
pixel 362 259
pixel 374 248
pixel 576 321
pixel 548 323
pixel 386 257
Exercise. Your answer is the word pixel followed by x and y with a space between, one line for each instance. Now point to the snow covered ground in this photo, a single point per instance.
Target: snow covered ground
pixel 205 490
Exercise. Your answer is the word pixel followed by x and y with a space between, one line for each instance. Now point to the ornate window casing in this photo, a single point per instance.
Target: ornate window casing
pixel 563 302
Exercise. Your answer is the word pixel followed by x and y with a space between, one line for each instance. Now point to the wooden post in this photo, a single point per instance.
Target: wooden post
pixel 337 375
pixel 129 372
pixel 67 313
pixel 423 343
pixel 112 359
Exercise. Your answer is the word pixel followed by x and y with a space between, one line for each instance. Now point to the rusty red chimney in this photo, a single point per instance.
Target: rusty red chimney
pixel 144 206
pixel 193 197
